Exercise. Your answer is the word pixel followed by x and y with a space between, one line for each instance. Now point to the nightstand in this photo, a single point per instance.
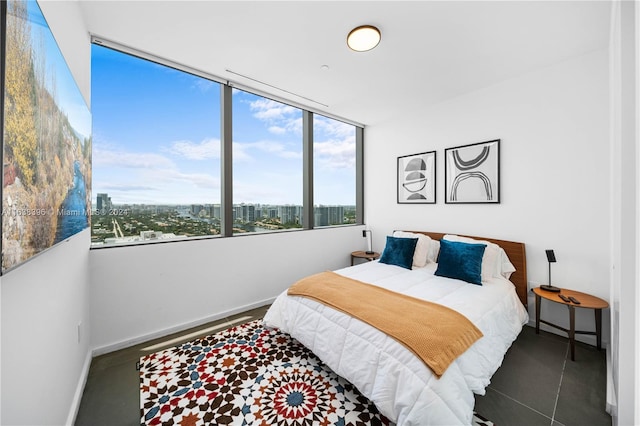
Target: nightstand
pixel 363 255
pixel 587 301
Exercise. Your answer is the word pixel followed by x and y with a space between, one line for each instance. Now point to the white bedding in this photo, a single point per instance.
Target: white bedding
pixel 402 386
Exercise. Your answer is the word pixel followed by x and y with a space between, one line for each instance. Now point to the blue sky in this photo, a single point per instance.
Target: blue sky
pixel 157 140
pixel 68 96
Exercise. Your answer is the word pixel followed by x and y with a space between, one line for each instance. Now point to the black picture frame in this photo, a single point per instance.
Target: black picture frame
pixel 417 178
pixel 472 173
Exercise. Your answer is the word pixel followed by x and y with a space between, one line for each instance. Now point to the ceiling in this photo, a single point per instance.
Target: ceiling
pixel 430 50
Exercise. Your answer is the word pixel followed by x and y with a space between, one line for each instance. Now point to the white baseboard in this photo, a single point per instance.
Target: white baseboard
pixel 82 381
pixel 77 396
pixel 178 328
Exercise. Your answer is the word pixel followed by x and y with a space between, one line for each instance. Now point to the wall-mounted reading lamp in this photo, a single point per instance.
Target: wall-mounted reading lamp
pixel 369 237
pixel 551 258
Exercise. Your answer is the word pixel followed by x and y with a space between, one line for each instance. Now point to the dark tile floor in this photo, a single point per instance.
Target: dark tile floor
pixel 537 383
pixel 112 393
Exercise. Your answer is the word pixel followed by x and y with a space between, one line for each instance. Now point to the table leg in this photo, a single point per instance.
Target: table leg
pixel 572 331
pixel 537 314
pixel 598 313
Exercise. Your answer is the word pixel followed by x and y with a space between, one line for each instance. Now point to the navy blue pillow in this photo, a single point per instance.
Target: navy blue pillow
pixel 399 251
pixel 462 261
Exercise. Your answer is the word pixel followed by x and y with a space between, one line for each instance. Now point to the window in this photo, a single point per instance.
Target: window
pixel 158 157
pixel 156 151
pixel 334 171
pixel 267 164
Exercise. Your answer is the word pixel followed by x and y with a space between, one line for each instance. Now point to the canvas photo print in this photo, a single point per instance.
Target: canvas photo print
pixel 46 135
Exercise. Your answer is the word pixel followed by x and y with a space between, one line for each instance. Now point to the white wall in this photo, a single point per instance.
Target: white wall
pixel 624 395
pixel 145 291
pixel 553 126
pixel 44 300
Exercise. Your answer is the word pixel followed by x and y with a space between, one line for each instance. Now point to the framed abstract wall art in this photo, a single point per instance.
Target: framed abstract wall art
pixel 46 139
pixel 472 173
pixel 417 178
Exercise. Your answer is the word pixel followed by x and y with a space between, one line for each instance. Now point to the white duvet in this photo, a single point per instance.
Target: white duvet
pixel 401 385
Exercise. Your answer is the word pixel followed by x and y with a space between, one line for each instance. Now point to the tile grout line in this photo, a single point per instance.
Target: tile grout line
pixel 521 403
pixel 564 365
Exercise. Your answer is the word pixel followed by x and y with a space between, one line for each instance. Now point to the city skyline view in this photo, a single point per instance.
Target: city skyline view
pixel 157 141
pixel 142 223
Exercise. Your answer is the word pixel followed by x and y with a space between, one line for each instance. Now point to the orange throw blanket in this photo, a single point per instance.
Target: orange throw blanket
pixel 435 333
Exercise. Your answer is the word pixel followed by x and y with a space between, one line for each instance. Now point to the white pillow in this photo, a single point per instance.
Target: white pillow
pixel 434 251
pixel 504 267
pixel 489 258
pixel 422 247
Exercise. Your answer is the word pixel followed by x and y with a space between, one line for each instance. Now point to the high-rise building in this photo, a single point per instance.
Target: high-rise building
pixel 321 216
pixel 249 212
pixel 336 215
pixel 103 202
pixel 289 214
pixel 214 211
pixel 272 213
pixel 328 215
pixel 244 212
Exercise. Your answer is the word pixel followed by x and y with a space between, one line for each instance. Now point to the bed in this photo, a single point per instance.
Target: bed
pixel 389 373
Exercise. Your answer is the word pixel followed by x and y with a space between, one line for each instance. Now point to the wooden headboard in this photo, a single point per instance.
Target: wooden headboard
pixel 516 254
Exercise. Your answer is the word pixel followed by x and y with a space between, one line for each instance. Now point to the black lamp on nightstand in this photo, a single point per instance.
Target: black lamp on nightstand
pixel 369 237
pixel 551 258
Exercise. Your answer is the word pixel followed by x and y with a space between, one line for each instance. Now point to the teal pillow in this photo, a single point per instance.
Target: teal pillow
pixel 399 251
pixel 462 261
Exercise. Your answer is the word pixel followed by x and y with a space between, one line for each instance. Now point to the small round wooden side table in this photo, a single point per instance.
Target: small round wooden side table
pixel 363 255
pixel 587 301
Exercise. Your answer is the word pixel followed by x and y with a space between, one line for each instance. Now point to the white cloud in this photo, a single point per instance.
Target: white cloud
pixel 292 155
pixel 295 125
pixel 270 194
pixel 250 150
pixel 204 85
pixel 337 148
pixel 280 118
pixel 240 152
pixel 335 154
pixel 292 125
pixel 105 157
pixel 126 188
pixel 333 128
pixel 205 150
pixel 198 180
pixel 152 178
pixel 270 110
pixel 267 146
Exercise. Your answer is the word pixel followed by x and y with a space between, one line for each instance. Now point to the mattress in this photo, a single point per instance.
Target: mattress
pixel 403 388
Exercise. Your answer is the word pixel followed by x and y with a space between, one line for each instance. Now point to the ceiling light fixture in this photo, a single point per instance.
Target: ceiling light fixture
pixel 363 38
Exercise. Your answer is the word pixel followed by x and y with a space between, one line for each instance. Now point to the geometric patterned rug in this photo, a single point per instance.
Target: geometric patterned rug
pixel 249 375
